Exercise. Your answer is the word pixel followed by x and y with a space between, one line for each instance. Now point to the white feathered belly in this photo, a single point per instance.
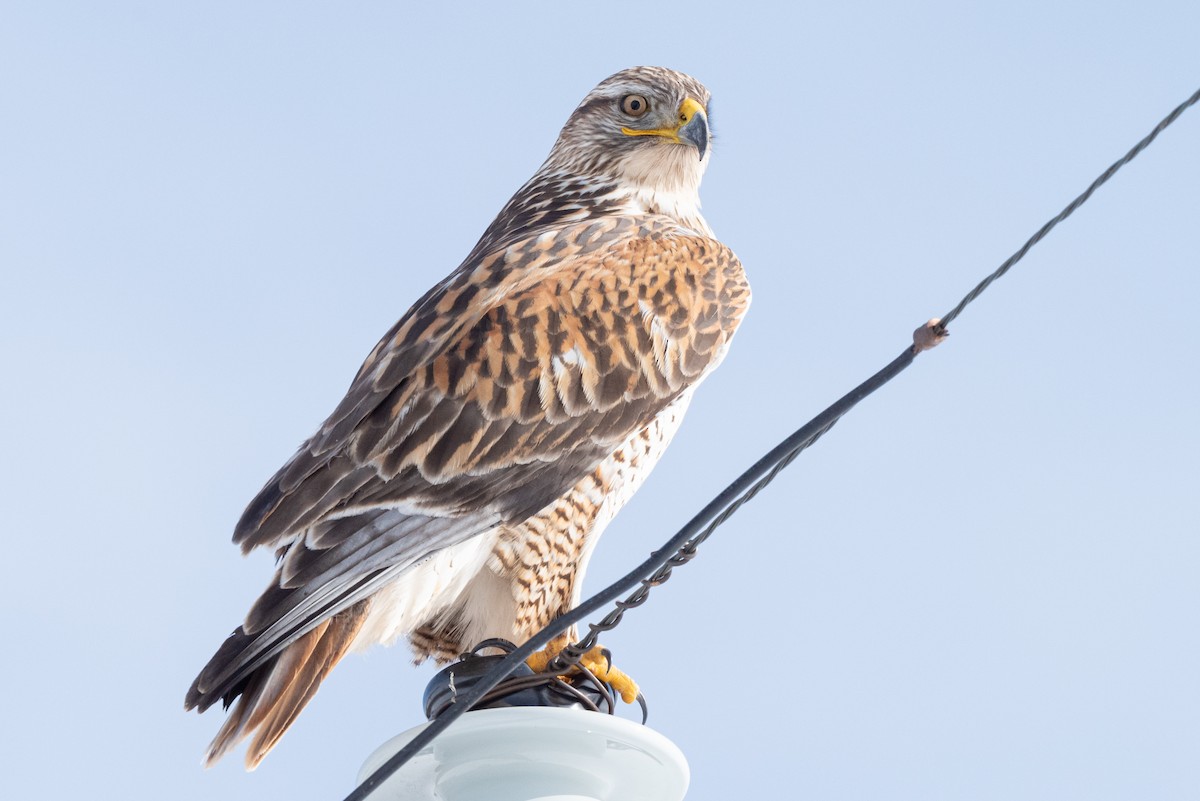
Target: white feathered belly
pixel 424 590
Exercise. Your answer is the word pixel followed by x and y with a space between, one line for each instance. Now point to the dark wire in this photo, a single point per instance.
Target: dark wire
pixel 681 547
pixel 733 496
pixel 1070 208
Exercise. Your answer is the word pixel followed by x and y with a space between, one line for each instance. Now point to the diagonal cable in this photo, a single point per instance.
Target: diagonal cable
pixel 682 546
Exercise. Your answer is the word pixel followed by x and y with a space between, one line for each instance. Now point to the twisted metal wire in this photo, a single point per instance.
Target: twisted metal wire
pixel 681 548
pixel 717 511
pixel 1070 208
pixel 570 655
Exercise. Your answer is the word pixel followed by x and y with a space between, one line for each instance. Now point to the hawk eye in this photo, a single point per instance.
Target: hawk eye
pixel 635 105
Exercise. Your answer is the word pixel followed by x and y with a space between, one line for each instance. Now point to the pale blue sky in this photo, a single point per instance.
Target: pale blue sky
pixel 982 584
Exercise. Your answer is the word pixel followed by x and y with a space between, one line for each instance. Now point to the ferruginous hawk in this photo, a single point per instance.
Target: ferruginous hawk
pixel 458 490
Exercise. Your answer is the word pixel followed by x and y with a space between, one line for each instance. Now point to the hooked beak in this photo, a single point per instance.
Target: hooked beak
pixel 691 128
pixel 694 127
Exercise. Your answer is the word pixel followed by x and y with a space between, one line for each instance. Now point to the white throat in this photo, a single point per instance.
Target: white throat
pixel 665 180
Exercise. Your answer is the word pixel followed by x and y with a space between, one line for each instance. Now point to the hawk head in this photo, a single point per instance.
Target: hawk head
pixel 646 128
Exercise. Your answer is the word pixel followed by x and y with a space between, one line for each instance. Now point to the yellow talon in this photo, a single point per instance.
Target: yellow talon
pixel 595 661
pixel 538 660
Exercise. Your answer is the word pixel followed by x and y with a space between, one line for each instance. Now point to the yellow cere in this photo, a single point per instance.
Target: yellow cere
pixel 687 109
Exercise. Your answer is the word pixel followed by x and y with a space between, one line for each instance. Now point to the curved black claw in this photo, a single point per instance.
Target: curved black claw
pixel 495 642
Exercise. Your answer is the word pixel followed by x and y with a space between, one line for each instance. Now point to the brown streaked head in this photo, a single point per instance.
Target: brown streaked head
pixel 650 122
